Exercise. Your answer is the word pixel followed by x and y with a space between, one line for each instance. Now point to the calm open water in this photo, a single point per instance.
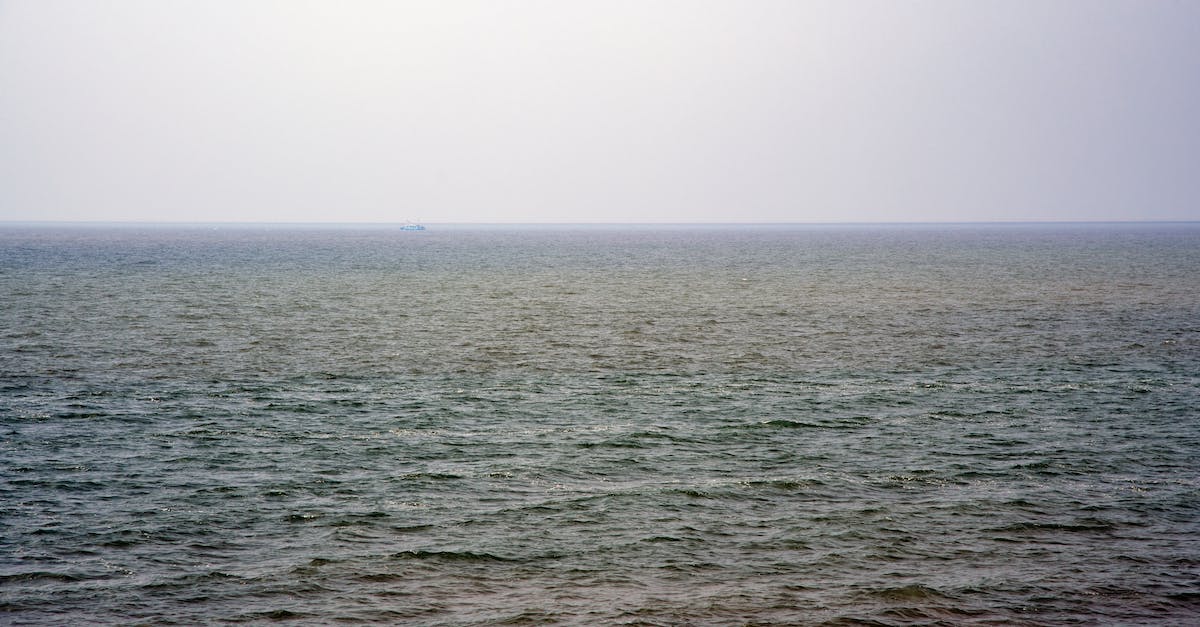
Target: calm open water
pixel 882 425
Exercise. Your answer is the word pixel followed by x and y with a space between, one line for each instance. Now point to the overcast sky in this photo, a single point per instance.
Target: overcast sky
pixel 599 111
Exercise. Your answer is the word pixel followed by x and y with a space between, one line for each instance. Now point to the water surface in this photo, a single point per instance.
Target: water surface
pixel 971 424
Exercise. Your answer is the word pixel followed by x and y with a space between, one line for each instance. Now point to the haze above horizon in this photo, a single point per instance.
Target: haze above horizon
pixel 534 111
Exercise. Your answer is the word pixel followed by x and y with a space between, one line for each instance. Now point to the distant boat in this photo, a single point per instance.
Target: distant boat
pixel 412 226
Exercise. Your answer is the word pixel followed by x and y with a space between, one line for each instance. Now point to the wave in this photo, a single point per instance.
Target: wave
pixel 451 556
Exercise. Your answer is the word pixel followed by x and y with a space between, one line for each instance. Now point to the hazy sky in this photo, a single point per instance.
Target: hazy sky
pixel 599 111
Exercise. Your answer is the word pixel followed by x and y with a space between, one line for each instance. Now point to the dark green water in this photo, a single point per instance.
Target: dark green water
pixel 658 426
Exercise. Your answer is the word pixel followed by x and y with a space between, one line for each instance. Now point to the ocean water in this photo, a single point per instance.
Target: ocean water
pixel 877 425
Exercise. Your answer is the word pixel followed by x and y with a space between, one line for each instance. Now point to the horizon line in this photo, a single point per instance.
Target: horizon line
pixel 579 223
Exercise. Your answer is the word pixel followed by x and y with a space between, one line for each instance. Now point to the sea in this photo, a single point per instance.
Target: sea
pixel 915 424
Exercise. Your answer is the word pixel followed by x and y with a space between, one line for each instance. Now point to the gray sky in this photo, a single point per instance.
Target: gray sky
pixel 599 111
